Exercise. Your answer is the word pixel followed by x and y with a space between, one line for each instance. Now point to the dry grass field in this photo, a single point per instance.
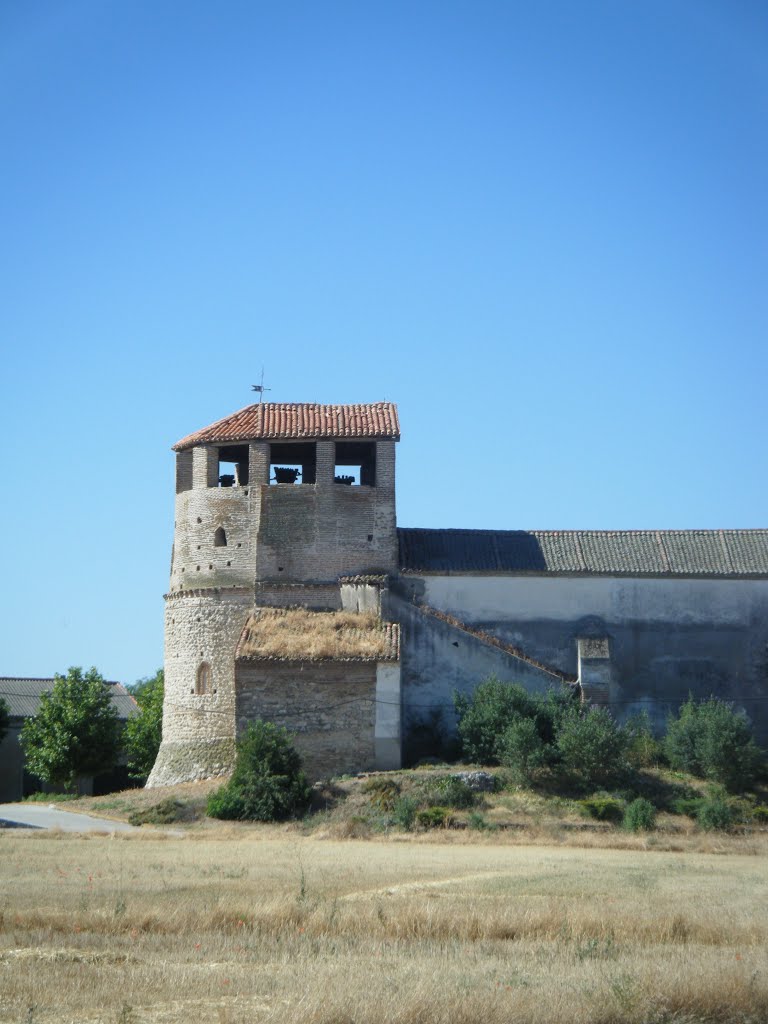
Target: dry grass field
pixel 265 924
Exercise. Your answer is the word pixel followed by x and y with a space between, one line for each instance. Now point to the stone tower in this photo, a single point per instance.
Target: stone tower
pixel 275 498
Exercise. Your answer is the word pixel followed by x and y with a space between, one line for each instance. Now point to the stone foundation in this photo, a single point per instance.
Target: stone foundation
pixel 192 760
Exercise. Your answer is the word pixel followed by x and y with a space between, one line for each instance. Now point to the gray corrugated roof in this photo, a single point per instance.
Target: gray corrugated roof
pixel 23 696
pixel 586 552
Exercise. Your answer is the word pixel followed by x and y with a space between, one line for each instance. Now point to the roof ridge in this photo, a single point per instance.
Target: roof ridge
pixel 299 420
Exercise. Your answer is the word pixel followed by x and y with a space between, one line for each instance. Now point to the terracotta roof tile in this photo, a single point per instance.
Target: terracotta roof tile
pixel 293 420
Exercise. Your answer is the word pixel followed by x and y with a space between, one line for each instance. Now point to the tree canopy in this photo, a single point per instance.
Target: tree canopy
pixel 75 732
pixel 144 732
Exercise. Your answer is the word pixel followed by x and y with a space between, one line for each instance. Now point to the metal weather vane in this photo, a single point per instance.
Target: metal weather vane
pixel 260 387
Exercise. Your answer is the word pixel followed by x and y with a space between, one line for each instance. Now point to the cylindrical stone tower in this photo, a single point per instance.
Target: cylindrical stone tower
pixel 274 493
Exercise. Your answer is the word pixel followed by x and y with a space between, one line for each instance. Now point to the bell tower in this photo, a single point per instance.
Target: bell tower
pixel 277 493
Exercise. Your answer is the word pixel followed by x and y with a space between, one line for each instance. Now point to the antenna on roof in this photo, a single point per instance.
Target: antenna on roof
pixel 260 387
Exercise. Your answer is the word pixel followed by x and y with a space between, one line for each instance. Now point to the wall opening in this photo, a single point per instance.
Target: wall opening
pixel 355 463
pixel 292 463
pixel 233 465
pixel 220 538
pixel 203 679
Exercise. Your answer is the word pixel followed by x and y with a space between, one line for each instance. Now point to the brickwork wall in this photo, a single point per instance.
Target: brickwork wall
pixel 197 562
pixel 305 698
pixel 199 730
pixel 275 534
pixel 318 597
pixel 323 530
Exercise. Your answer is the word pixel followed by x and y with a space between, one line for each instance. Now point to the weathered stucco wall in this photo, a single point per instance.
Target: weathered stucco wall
pixel 438 660
pixel 667 636
pixel 329 706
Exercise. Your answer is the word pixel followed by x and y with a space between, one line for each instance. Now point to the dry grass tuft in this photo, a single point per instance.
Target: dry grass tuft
pixel 298 634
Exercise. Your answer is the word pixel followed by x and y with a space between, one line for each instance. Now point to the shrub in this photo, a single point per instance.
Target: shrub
pixel 643 749
pixel 603 807
pixel 163 813
pixel 383 792
pixel 711 740
pixel 522 750
pixel 267 783
pixel 640 816
pixel 404 812
pixel 760 814
pixel 450 792
pixel 485 716
pixel 687 805
pixel 715 814
pixel 435 817
pixel 477 822
pixel 551 709
pixel 592 745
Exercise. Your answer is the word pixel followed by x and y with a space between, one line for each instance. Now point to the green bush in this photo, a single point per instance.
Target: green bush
pixel 163 813
pixel 435 817
pixel 383 792
pixel 592 746
pixel 687 805
pixel 485 716
pixel 477 822
pixel 521 750
pixel 449 792
pixel 640 816
pixel 404 812
pixel 551 709
pixel 716 814
pixel 711 740
pixel 267 783
pixel 603 807
pixel 643 749
pixel 760 814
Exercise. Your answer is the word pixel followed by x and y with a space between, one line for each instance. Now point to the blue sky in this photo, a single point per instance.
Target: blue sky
pixel 540 228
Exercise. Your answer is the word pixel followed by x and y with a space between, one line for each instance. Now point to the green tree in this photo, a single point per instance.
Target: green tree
pixel 522 750
pixel 5 718
pixel 268 783
pixel 592 745
pixel 711 740
pixel 486 715
pixel 75 732
pixel 143 732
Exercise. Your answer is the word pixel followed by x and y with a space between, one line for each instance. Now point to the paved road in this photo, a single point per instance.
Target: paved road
pixel 49 816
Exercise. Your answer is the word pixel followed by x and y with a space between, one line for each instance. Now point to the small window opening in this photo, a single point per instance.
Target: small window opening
pixel 203 680
pixel 292 463
pixel 233 465
pixel 220 538
pixel 355 463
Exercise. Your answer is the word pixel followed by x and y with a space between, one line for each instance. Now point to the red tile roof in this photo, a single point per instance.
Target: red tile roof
pixel 299 421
